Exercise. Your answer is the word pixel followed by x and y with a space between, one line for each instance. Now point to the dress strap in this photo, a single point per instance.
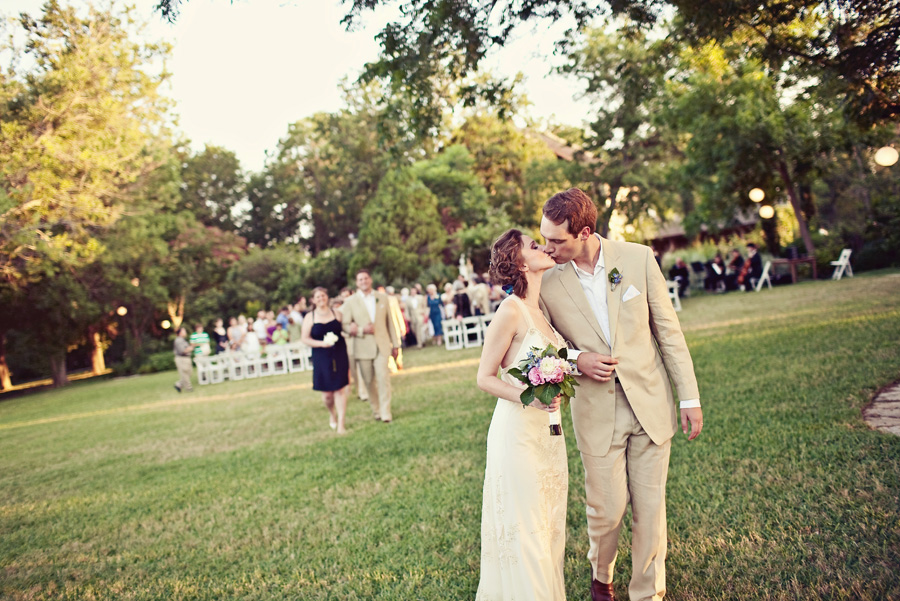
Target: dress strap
pixel 525 312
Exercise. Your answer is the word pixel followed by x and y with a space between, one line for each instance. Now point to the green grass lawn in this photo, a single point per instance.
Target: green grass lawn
pixel 123 489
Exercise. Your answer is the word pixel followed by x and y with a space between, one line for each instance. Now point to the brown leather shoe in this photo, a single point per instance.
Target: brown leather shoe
pixel 600 591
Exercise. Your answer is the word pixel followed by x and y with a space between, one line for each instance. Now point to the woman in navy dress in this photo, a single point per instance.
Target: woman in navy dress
pixel 331 368
pixel 435 313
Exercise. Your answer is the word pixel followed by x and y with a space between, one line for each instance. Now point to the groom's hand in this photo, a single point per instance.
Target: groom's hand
pixel 695 417
pixel 596 366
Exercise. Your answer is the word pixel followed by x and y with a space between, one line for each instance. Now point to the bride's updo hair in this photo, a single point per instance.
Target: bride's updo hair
pixel 507 263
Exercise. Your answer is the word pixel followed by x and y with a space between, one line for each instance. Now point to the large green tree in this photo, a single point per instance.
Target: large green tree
pixel 82 125
pixel 401 231
pixel 212 187
pixel 80 113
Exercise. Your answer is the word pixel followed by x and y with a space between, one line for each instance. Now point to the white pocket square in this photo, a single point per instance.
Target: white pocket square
pixel 630 294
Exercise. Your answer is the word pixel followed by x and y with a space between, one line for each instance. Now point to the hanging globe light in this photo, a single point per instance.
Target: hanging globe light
pixel 757 195
pixel 166 324
pixel 886 156
pixel 767 211
pixel 122 311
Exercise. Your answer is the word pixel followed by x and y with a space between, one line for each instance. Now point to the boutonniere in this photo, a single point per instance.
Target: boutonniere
pixel 614 278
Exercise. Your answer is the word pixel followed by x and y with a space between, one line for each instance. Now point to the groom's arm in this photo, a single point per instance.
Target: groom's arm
pixel 669 338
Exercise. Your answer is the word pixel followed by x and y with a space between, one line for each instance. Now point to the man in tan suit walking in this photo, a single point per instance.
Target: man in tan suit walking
pixel 366 320
pixel 610 301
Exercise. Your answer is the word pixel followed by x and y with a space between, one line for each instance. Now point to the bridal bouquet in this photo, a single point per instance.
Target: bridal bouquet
pixel 546 374
pixel 330 338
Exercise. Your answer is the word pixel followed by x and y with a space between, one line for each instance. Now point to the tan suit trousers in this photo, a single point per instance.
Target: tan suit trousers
pixel 635 469
pixel 377 380
pixel 185 369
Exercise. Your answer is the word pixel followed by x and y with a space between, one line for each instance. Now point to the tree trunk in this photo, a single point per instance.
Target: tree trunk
pixel 604 217
pixel 58 369
pixel 794 197
pixel 5 377
pixel 98 363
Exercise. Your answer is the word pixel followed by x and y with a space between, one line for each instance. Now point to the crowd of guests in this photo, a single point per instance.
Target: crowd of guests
pixel 738 273
pixel 358 336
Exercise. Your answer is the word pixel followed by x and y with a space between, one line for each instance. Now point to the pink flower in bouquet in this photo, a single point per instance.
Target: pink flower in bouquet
pixel 535 376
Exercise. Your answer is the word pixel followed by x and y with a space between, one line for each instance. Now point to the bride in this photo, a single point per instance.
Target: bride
pixel 523 521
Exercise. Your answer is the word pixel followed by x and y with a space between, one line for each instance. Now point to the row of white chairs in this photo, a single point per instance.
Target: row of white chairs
pixel 236 365
pixel 467 332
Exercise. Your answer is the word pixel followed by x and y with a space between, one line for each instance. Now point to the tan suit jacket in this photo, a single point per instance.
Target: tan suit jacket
pixel 369 346
pixel 646 339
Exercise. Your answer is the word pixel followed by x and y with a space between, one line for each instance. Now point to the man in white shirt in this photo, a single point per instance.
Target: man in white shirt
pixel 610 301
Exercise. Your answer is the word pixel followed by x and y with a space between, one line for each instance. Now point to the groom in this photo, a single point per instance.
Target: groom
pixel 611 303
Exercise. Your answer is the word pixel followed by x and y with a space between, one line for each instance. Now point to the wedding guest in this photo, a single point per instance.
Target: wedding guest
pixel 715 275
pixel 200 341
pixel 756 268
pixel 259 328
pixel 435 314
pixel 479 296
pixel 461 299
pixel 322 332
pixel 183 351
pixel 680 275
pixel 395 364
pixel 283 316
pixel 279 335
pixel 416 311
pixel 733 269
pixel 295 327
pixel 220 337
pixel 236 333
pixel 447 299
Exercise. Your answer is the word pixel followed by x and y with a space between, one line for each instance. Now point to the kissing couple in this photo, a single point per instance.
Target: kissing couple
pixel 608 302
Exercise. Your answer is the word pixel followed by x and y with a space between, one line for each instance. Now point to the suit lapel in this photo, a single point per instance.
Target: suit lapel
pixel 572 285
pixel 611 260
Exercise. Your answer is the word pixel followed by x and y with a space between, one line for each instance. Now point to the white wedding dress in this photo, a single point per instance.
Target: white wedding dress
pixel 526 481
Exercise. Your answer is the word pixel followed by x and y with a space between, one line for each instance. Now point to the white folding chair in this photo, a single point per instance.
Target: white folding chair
pixel 673 294
pixel 296 356
pixel 471 330
pixel 842 265
pixel 251 362
pixel 452 334
pixel 764 278
pixel 202 364
pixel 277 360
pixel 217 369
pixel 236 367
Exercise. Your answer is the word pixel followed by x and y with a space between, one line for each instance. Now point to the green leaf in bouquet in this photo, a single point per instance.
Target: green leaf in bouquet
pixel 527 396
pixel 563 353
pixel 546 392
pixel 567 388
pixel 516 373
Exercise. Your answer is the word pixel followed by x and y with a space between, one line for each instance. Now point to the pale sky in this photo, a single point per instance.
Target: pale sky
pixel 243 70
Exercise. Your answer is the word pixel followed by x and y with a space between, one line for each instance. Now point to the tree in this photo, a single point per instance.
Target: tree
pixel 503 155
pixel 80 110
pixel 401 233
pixel 751 128
pixel 624 75
pixel 82 124
pixel 212 186
pixel 461 197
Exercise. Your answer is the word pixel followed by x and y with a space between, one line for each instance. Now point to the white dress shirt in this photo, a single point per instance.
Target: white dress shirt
pixel 369 302
pixel 595 289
